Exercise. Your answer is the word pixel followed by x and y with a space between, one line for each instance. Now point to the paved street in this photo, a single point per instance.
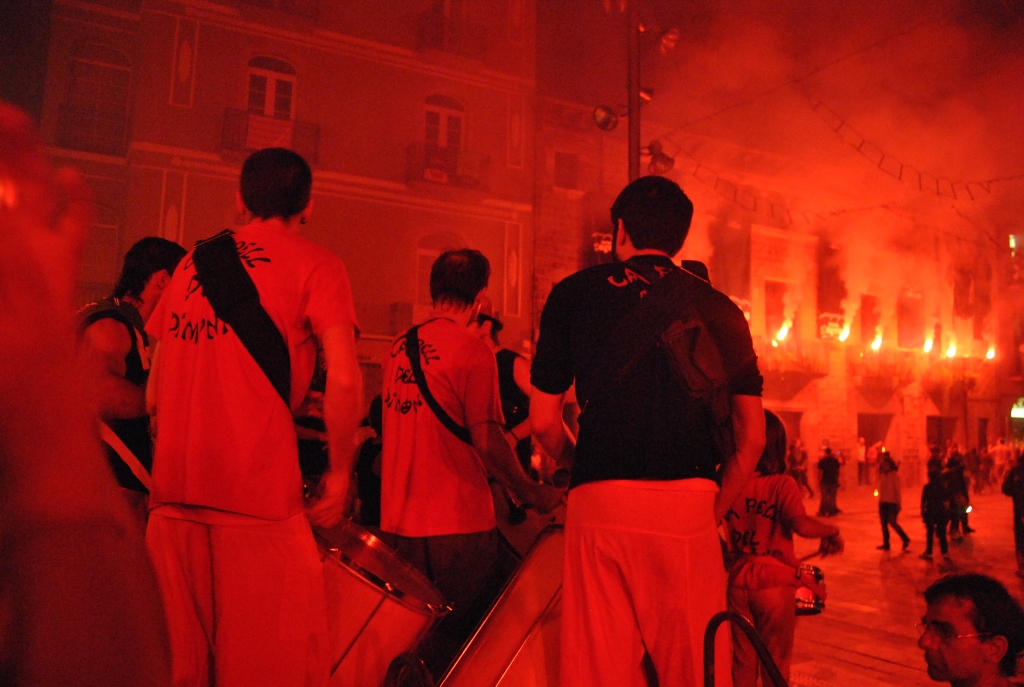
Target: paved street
pixel 866 635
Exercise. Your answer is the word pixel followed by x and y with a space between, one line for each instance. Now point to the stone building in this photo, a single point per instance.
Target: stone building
pixel 447 123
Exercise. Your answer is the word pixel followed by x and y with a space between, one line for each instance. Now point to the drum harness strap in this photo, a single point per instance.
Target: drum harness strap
pixel 412 350
pixel 235 300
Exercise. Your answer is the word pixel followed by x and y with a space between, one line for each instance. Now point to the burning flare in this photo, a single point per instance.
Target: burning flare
pixel 928 345
pixel 784 330
pixel 845 334
pixel 877 343
pixel 991 353
pixel 951 351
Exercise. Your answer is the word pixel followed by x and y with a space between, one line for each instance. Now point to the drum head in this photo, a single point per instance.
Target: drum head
pixel 373 560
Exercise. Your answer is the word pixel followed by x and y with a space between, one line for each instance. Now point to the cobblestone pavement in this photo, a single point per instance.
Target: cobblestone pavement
pixel 866 635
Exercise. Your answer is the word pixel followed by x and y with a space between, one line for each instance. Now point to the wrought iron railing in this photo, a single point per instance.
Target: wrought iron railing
pixel 450 166
pixel 243 131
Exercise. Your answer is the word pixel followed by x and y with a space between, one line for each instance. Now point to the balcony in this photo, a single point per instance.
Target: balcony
pixel 244 131
pixel 790 366
pixel 455 36
pixel 86 129
pixel 878 374
pixel 448 166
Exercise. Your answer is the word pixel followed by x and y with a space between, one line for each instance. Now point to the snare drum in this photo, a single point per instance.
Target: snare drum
pixel 378 606
pixel 807 602
pixel 518 642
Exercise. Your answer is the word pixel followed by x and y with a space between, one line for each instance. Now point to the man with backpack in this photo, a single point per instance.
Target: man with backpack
pixel 671 429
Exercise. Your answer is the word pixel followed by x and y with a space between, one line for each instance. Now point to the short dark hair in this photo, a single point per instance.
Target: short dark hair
pixel 996 612
pixel 147 257
pixel 655 213
pixel 773 458
pixel 276 182
pixel 458 276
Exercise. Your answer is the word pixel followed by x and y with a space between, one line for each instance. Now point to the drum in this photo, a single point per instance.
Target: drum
pixel 807 602
pixel 378 606
pixel 517 644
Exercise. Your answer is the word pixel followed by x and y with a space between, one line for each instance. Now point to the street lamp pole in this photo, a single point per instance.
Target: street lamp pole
pixel 633 84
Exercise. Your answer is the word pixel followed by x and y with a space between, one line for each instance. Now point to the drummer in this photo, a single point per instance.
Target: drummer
pixel 765 571
pixel 436 506
pixel 237 564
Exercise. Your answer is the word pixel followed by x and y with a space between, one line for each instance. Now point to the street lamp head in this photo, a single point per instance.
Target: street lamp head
pixel 605 118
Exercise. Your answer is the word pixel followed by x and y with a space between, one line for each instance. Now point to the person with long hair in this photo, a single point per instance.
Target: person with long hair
pixel 766 572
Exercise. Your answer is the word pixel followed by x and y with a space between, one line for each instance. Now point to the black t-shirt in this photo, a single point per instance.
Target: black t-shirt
pixel 829 467
pixel 515 404
pixel 648 428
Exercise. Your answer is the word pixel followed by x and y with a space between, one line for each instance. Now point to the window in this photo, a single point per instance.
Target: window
pixel 774 307
pixel 95 116
pixel 910 319
pixel 870 318
pixel 271 88
pixel 443 119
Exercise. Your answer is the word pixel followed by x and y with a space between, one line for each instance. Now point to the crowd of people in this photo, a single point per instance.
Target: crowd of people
pixel 191 560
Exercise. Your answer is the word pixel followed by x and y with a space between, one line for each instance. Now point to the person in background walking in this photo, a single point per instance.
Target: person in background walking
pixel 797 460
pixel 1013 486
pixel 829 484
pixel 935 504
pixel 862 462
pixel 956 482
pixel 889 500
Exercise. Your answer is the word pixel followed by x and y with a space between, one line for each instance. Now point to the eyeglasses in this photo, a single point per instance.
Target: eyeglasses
pixel 944 633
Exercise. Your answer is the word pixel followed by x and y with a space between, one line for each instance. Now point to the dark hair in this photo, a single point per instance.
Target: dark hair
pixel 773 458
pixel 458 276
pixel 995 611
pixel 147 257
pixel 496 324
pixel 888 461
pixel 655 213
pixel 276 183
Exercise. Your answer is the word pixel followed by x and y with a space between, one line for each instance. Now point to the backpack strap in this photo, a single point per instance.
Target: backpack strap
pixel 640 330
pixel 235 300
pixel 412 350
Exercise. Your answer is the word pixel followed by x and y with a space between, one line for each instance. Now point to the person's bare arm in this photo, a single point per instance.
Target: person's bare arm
pixel 748 427
pixel 811 528
pixel 548 427
pixel 341 416
pixel 502 464
pixel 104 345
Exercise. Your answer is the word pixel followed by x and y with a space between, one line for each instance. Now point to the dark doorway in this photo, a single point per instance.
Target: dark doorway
pixel 874 427
pixel 982 432
pixel 940 430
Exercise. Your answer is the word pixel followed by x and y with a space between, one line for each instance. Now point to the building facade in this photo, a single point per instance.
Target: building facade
pixel 417 118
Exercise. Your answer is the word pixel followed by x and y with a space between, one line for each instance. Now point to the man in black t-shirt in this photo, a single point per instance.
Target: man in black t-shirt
pixel 643 566
pixel 829 484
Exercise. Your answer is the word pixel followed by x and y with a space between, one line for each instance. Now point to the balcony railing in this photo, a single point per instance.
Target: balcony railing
pixel 86 129
pixel 792 355
pixel 245 131
pixel 899 365
pixel 456 36
pixel 448 166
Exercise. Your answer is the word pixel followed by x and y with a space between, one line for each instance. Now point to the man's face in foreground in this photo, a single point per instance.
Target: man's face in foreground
pixel 952 648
